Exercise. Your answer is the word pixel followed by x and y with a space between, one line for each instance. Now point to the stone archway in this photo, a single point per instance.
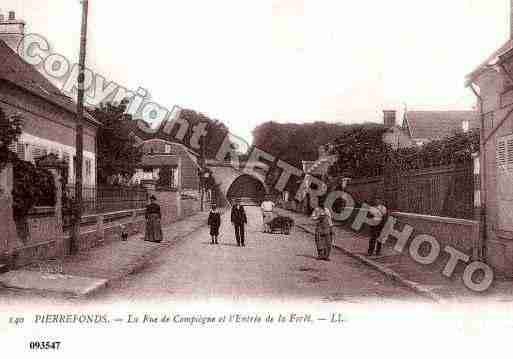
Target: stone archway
pixel 247 188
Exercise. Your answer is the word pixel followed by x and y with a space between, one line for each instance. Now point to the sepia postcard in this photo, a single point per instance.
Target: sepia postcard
pixel 280 178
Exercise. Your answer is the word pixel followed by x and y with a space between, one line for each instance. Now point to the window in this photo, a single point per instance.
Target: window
pixel 38 152
pixel 88 167
pixel 167 148
pixel 504 152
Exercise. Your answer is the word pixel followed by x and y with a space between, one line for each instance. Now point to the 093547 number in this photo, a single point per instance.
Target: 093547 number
pixel 42 345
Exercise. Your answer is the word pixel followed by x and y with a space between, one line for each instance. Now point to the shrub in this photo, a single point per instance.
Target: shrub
pixel 33 186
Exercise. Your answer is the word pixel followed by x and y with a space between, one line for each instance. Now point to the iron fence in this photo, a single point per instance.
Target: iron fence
pixel 103 199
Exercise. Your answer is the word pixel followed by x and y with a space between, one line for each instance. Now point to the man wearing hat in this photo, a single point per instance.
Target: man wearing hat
pixel 239 220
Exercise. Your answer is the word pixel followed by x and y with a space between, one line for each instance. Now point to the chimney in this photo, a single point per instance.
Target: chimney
pixel 389 116
pixel 465 125
pixel 12 30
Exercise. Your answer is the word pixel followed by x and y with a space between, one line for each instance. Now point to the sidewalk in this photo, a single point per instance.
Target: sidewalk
pixel 427 280
pixel 88 272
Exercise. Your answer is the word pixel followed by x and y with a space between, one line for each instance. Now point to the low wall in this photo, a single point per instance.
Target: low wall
pixel 462 234
pixel 499 254
pixel 39 237
pixel 169 206
pixel 108 228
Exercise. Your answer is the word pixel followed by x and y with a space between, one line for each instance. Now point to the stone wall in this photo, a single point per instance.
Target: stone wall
pixel 107 228
pixel 462 234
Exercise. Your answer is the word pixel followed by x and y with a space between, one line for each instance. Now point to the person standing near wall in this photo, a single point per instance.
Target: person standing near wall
pixel 380 214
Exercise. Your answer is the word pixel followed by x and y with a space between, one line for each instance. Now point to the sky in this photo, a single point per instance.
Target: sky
pixel 248 62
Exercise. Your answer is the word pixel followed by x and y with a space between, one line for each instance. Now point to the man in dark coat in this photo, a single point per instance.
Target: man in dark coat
pixel 239 219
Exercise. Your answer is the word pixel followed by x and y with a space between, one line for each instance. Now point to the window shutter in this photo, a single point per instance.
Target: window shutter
pixel 509 151
pixel 21 150
pixel 500 152
pixel 13 147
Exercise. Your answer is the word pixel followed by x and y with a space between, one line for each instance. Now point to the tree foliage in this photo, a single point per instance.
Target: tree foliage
pixel 361 152
pixel 10 129
pixel 32 186
pixel 294 143
pixel 217 130
pixel 453 150
pixel 117 155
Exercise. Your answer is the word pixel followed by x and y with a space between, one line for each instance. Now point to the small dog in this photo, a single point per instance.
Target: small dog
pixel 124 233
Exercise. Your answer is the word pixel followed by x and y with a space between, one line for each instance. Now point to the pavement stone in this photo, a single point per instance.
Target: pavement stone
pixel 63 284
pixel 425 280
pixel 87 272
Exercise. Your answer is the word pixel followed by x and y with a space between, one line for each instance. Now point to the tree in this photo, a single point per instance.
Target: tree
pixel 117 155
pixel 361 152
pixel 10 130
pixel 293 142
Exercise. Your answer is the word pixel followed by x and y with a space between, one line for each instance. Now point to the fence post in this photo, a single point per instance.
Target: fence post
pixel 134 223
pixel 9 238
pixel 100 228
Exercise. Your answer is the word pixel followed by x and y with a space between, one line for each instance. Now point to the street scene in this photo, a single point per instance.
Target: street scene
pixel 172 167
pixel 107 193
pixel 279 152
pixel 270 267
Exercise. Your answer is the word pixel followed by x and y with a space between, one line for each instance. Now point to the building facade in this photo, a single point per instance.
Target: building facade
pixel 492 83
pixel 49 117
pixel 162 156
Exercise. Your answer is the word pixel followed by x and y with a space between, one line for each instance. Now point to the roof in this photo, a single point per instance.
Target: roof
pixel 319 167
pixel 18 72
pixel 490 61
pixel 438 124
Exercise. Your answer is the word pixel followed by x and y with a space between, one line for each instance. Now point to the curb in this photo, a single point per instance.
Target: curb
pixel 389 273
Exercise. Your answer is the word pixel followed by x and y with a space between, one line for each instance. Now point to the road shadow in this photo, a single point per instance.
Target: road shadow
pixel 220 244
pixel 309 256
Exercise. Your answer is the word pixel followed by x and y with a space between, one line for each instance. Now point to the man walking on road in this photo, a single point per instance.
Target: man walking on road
pixel 239 219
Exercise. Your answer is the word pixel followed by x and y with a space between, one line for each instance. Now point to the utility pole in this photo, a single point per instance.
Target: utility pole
pixel 79 131
pixel 202 165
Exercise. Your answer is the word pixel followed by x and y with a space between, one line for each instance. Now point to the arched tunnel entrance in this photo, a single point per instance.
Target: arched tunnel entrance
pixel 248 189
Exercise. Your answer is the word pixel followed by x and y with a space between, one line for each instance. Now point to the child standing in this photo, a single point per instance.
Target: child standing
pixel 214 221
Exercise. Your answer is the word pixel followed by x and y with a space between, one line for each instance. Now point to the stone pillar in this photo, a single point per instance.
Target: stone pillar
pixel 178 205
pixel 9 238
pixel 56 168
pixel 100 228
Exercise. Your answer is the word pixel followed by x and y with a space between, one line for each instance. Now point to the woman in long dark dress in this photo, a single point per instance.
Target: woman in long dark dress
pixel 323 232
pixel 153 226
